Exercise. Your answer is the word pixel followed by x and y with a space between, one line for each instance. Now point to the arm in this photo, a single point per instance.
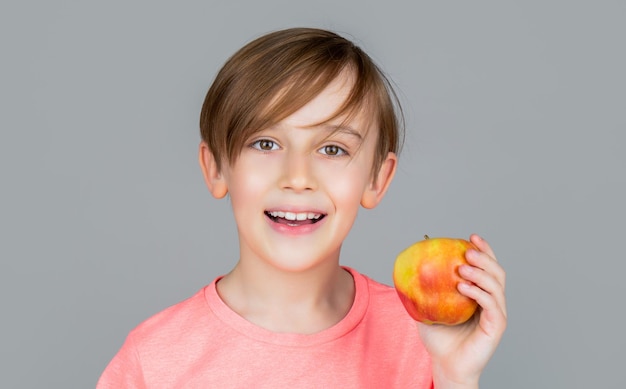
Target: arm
pixel 460 353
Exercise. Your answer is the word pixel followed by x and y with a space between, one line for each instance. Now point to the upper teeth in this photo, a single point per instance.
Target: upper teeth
pixel 295 216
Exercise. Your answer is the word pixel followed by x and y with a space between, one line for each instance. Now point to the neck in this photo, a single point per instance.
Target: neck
pixel 305 301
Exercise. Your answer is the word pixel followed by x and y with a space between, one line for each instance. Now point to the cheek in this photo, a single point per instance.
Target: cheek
pixel 347 188
pixel 247 183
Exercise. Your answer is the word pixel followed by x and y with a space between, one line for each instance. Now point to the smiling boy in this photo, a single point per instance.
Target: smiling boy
pixel 300 130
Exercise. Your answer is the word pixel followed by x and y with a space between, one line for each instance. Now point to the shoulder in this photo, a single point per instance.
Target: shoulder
pixel 392 333
pixel 383 302
pixel 178 320
pixel 379 293
pixel 151 346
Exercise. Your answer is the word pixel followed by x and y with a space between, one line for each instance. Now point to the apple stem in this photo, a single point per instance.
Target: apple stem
pixel 426 237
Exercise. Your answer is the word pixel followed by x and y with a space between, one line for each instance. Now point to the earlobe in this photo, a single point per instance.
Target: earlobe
pixel 213 177
pixel 375 192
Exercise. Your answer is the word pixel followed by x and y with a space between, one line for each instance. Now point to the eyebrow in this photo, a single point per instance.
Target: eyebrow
pixel 332 129
pixel 344 129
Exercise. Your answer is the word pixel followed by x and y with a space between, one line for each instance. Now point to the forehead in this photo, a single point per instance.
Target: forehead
pixel 335 107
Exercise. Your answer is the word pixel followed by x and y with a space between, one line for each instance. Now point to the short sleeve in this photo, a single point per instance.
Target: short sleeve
pixel 124 370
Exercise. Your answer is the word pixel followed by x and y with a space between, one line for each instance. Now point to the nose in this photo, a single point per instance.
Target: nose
pixel 298 173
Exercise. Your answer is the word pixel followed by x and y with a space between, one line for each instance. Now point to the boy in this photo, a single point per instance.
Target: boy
pixel 299 129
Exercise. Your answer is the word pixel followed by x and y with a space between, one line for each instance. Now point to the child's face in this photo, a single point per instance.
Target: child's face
pixel 296 189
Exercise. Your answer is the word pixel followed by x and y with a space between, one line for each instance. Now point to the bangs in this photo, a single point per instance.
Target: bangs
pixel 274 76
pixel 304 83
pixel 305 87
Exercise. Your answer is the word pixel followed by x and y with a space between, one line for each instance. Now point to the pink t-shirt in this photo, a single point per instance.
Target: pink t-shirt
pixel 202 343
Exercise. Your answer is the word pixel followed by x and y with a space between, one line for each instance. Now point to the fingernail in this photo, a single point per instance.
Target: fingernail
pixel 463 286
pixel 465 270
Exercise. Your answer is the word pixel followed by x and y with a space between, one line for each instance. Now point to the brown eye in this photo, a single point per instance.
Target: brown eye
pixel 264 145
pixel 332 150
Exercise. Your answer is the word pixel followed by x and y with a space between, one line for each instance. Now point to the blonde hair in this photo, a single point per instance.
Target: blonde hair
pixel 275 75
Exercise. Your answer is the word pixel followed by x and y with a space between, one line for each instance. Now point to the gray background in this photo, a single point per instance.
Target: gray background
pixel 515 114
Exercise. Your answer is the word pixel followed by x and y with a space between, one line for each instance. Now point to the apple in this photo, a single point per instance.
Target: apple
pixel 425 276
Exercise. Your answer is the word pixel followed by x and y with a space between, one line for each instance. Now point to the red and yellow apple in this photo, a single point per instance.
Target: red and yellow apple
pixel 426 276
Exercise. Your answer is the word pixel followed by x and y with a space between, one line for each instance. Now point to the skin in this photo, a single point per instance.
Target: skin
pixel 288 277
pixel 460 353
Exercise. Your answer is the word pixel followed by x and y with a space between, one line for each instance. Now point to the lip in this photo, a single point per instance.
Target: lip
pixel 295 209
pixel 294 230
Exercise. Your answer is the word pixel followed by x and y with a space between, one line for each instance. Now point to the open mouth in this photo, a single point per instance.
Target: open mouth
pixel 294 218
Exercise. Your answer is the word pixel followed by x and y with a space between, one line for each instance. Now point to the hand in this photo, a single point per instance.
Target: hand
pixel 460 353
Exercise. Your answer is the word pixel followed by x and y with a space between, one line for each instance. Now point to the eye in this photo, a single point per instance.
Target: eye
pixel 264 145
pixel 333 150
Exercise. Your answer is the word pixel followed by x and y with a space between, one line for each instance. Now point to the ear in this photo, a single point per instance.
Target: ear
pixel 212 176
pixel 378 187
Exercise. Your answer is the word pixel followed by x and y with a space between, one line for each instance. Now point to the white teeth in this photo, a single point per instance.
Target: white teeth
pixel 295 216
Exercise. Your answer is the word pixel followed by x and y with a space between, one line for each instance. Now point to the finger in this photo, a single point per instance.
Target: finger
pixel 492 313
pixel 487 263
pixel 482 245
pixel 485 281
